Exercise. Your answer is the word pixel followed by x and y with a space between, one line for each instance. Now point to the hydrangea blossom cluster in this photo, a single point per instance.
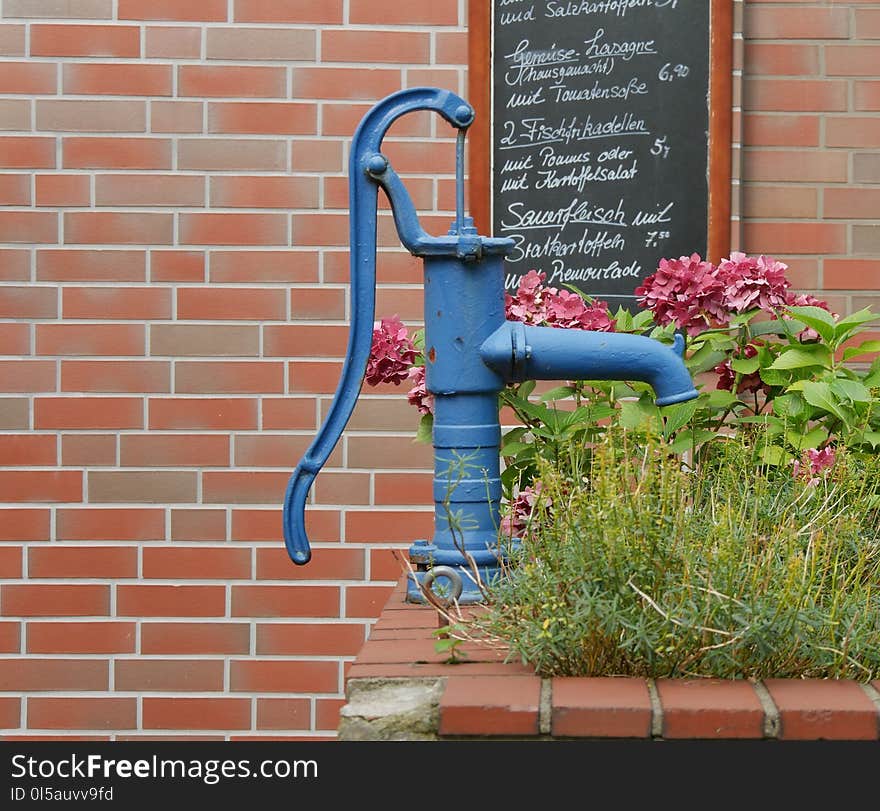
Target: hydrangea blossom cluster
pixel 813 464
pixel 514 524
pixel 536 304
pixel 391 354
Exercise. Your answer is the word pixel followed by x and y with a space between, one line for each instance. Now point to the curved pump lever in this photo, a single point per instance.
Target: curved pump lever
pixel 365 168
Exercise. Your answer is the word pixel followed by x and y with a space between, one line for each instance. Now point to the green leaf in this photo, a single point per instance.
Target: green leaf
pixel 687 440
pixel 745 366
pixel 848 325
pixel 774 455
pixel 863 348
pixel 642 320
pixel 821 396
pixel 721 398
pixel 526 388
pixel 631 416
pixel 872 438
pixel 799 357
pixel 675 416
pixel 789 405
pixel 820 320
pixel 851 390
pixel 425 431
pixel 775 327
pixel 559 393
pixel 704 358
pixel 811 439
pixel 516 448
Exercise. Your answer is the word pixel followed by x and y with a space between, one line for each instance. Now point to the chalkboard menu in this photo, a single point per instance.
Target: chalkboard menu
pixel 599 138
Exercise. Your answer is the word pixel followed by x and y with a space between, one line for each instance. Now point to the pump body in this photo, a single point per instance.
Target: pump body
pixel 471 353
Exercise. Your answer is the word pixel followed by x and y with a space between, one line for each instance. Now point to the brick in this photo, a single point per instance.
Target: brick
pixel 340 487
pixel 228 80
pixel 850 274
pixel 233 229
pixel 15 189
pixel 264 192
pixel 43 600
pixel 774 129
pixel 326 564
pixel 144 600
pixel 89 339
pixel 204 340
pixel 27 375
pixel 240 44
pixel 490 706
pixel 241 487
pixel 600 708
pixel 134 376
pixel 88 450
pixel 118 303
pixel 341 45
pixel 387 12
pixel 209 414
pixel 318 156
pixel 15 114
pixel 24 524
pixel 198 525
pixel 28 450
pixel 41 485
pixel 283 713
pixel 851 60
pixel 364 451
pixel 27 78
pixel 196 713
pixel 867 96
pixel 398 267
pixel 265 525
pixel 290 340
pixel 15 339
pixel 28 226
pixel 285 601
pixel 403 488
pixel 867 23
pixel 859 131
pixel 197 563
pixel 795 95
pixel 220 638
pixel 263 118
pixel 92 78
pixel 116 153
pixel 173 450
pixel 283 677
pixel 81 713
pixel 72 9
pixel 365 601
pixel 85 265
pixel 191 11
pixel 15 265
pixel 851 203
pixel 710 708
pixel 110 524
pixel 176 116
pixel 28 302
pixel 866 168
pixel 289 11
pixel 795 238
pixel 387 525
pixel 82 561
pixel 177 266
pixel 10 637
pixel 14 412
pixel 84 413
pixel 343 83
pixel 118 228
pixel 10 712
pixel 865 239
pixel 288 413
pixel 220 154
pixel 814 709
pixel 327 712
pixel 33 675
pixel 808 23
pixel 230 377
pixel 264 266
pixel 168 675
pixel 62 190
pixel 309 639
pixel 13 39
pixel 255 304
pixel 81 637
pixel 318 304
pixel 314 377
pixel 142 486
pixel 10 562
pixel 26 152
pixel 385 564
pixel 150 190
pixel 85 40
pixel 173 42
pixel 274 450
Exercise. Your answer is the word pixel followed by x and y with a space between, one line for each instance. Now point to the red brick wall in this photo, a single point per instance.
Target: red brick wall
pixel 173 316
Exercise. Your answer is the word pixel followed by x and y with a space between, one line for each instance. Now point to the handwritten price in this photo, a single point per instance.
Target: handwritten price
pixel 670 72
pixel 654 238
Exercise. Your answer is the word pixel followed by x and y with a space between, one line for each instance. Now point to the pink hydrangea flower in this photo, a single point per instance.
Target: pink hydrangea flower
pixel 528 305
pixel 753 283
pixel 747 382
pixel 520 510
pixel 806 300
pixel 687 292
pixel 391 354
pixel 419 396
pixel 536 304
pixel 813 464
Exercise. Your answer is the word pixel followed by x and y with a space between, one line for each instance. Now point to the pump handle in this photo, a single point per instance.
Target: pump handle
pixel 363 188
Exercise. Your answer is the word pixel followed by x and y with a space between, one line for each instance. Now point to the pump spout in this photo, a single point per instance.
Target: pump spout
pixel 518 352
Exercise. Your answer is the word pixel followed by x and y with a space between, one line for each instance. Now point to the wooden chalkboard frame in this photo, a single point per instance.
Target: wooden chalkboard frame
pixel 720 120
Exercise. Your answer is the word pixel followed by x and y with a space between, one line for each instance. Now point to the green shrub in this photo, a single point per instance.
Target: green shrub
pixel 631 564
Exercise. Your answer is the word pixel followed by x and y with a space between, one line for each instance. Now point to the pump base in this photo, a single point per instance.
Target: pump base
pixel 470 592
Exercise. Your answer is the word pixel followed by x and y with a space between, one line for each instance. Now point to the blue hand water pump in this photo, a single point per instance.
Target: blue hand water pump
pixel 471 353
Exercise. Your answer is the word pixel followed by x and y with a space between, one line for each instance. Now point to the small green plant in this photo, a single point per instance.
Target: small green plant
pixel 631 564
pixel 449 644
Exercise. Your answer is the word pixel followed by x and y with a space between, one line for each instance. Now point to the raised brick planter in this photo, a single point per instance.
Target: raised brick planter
pixel 483 696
